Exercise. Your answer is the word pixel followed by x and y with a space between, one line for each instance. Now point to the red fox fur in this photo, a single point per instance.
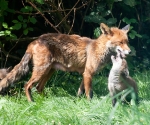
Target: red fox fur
pixel 72 53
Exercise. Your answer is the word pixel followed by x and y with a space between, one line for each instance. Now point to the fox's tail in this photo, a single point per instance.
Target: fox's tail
pixel 19 70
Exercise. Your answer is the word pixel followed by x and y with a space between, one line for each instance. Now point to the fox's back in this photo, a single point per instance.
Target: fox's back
pixel 67 52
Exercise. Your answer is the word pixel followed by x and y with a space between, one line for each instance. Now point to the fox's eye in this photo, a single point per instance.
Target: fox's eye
pixel 121 42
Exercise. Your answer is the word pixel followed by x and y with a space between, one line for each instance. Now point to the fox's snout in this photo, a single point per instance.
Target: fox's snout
pixel 126 49
pixel 126 52
pixel 130 52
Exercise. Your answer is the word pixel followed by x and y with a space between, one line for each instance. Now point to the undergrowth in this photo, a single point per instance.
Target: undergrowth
pixel 59 105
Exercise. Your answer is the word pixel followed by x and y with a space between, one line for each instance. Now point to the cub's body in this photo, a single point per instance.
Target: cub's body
pixel 119 80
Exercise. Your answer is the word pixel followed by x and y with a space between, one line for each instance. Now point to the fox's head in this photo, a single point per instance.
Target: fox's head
pixel 4 72
pixel 117 39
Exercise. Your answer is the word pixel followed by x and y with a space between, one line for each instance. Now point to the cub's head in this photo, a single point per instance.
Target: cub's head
pixel 120 64
pixel 117 39
pixel 4 72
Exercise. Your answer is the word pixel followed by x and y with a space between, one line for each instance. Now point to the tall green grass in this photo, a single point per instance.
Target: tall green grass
pixel 59 105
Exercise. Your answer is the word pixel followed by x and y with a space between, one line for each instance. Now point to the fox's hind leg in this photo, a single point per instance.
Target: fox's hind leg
pixel 37 75
pixel 41 84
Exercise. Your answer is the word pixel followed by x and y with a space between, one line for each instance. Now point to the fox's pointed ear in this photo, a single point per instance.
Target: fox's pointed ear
pixel 126 28
pixel 105 29
pixel 9 69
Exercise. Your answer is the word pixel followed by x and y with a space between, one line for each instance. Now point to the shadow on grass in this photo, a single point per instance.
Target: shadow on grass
pixel 68 83
pixel 64 84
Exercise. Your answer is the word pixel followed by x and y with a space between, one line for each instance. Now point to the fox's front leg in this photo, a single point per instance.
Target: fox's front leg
pixel 87 82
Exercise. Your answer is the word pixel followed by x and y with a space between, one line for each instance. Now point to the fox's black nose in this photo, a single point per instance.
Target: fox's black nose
pixel 130 52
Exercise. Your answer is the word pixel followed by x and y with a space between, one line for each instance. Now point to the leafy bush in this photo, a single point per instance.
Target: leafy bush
pixel 106 12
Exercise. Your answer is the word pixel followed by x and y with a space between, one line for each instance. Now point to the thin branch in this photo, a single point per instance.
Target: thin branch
pixel 73 21
pixel 1 56
pixel 43 16
pixel 25 39
pixel 50 11
pixel 83 5
pixel 119 23
pixel 8 55
pixel 67 13
pixel 85 14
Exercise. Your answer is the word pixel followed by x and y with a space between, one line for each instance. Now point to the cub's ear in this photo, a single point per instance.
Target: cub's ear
pixel 105 29
pixel 9 69
pixel 126 28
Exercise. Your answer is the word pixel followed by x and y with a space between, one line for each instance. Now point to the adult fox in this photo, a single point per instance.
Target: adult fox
pixel 54 51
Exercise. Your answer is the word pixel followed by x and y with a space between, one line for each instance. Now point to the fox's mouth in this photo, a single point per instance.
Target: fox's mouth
pixel 121 53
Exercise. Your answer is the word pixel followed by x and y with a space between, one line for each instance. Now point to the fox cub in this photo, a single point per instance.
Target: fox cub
pixel 119 80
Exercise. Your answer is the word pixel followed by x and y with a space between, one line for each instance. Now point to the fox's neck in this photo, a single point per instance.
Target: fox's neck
pixel 104 44
pixel 103 50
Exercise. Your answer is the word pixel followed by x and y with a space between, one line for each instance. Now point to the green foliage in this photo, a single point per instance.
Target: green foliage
pixel 20 23
pixel 99 13
pixel 8 31
pixel 131 3
pixel 23 23
pixel 19 20
pixel 120 13
pixel 3 6
pixel 97 32
pixel 132 33
pixel 40 1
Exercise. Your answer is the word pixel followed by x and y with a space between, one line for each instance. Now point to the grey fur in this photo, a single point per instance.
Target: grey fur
pixel 119 79
pixel 4 72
